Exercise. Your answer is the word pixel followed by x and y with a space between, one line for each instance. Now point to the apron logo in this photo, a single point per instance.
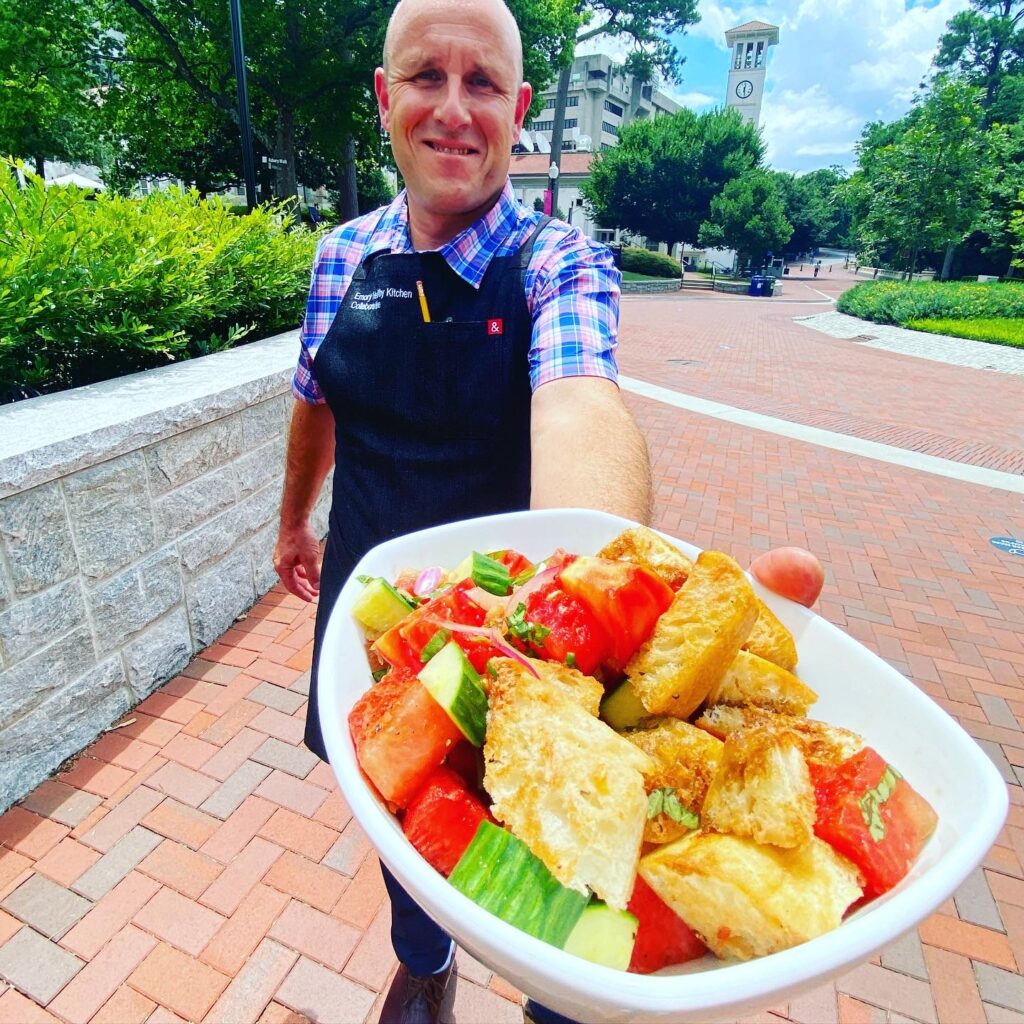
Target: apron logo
pixel 496 326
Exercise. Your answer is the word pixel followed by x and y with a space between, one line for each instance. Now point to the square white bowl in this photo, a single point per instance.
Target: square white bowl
pixel 857 690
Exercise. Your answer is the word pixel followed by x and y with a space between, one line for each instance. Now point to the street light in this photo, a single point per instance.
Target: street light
pixel 238 59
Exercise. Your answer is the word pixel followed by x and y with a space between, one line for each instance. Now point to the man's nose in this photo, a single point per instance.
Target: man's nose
pixel 452 108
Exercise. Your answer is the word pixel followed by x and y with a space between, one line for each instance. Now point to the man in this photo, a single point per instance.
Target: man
pixel 457 359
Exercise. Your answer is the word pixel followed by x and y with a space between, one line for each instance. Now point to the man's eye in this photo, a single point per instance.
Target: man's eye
pixel 482 81
pixel 428 76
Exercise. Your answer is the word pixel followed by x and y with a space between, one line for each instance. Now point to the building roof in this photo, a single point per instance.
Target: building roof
pixel 535 164
pixel 754 26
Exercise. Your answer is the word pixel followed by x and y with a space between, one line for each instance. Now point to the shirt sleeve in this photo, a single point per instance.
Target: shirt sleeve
pixel 575 307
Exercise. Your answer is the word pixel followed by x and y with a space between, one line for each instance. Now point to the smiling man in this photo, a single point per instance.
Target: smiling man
pixel 457 358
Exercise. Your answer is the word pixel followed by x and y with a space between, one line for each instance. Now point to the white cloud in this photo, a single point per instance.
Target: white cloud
pixel 838 65
pixel 694 100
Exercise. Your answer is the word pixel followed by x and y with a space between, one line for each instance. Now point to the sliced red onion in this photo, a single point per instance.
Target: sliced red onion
pixel 519 596
pixel 485 599
pixel 457 627
pixel 429 580
pixel 496 639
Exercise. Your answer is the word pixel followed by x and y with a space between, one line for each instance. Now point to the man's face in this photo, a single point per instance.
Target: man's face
pixel 452 100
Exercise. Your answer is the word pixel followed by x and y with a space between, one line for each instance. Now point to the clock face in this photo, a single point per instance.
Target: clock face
pixel 744 88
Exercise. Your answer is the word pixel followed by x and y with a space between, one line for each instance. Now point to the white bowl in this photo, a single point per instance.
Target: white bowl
pixel 857 690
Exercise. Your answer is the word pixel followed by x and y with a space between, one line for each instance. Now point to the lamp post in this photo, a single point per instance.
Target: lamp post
pixel 238 59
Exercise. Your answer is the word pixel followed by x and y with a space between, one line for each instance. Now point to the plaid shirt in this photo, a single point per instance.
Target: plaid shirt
pixel 572 286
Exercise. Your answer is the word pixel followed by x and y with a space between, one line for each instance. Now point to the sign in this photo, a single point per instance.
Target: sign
pixel 275 161
pixel 547 202
pixel 1011 545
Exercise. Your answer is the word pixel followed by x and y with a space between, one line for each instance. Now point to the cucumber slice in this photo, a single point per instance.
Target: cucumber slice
pixel 380 606
pixel 604 936
pixel 499 872
pixel 454 684
pixel 622 709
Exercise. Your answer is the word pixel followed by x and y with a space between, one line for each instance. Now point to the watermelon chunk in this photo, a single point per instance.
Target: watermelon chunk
pixel 401 734
pixel 442 820
pixel 663 937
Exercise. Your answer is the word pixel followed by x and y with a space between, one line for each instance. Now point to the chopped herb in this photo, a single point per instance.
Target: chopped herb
pixel 434 644
pixel 381 673
pixel 491 670
pixel 490 575
pixel 365 579
pixel 665 801
pixel 528 632
pixel 871 802
pixel 570 660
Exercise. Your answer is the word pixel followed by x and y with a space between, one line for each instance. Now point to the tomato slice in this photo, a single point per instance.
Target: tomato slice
pixel 626 600
pixel 871 814
pixel 515 562
pixel 401 734
pixel 662 937
pixel 572 627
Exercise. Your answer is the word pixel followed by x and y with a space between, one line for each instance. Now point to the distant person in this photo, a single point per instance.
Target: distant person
pixel 817 267
pixel 316 218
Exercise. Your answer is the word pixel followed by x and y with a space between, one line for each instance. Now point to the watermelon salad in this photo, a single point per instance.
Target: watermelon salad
pixel 419 731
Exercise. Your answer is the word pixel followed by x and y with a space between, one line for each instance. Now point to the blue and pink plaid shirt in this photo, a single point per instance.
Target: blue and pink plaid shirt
pixel 572 285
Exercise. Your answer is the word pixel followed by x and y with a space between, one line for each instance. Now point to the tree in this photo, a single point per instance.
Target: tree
pixel 49 78
pixel 648 24
pixel 922 180
pixel 660 179
pixel 749 216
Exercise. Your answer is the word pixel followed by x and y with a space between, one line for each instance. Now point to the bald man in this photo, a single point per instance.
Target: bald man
pixel 494 393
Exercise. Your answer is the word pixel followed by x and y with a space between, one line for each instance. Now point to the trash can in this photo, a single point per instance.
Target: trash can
pixel 757 285
pixel 616 255
pixel 769 286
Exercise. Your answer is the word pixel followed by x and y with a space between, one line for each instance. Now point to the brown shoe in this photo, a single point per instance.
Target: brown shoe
pixel 415 1000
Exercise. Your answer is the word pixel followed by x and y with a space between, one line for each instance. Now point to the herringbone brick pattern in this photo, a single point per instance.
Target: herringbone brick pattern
pixel 195 863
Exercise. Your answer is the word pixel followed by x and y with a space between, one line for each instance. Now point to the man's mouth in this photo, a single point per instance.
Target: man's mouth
pixel 439 147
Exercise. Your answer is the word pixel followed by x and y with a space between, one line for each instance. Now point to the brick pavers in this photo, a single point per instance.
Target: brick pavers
pixel 198 864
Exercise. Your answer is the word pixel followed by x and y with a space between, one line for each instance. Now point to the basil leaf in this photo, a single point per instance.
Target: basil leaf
pixel 491 670
pixel 871 803
pixel 570 660
pixel 381 673
pixel 655 803
pixel 521 629
pixel 365 579
pixel 490 575
pixel 434 644
pixel 666 801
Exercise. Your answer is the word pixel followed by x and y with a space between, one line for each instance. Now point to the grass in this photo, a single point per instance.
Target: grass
pixel 1008 331
pixel 896 302
pixel 629 275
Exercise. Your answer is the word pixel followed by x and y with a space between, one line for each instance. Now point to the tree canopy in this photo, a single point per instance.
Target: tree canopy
pixel 661 178
pixel 749 216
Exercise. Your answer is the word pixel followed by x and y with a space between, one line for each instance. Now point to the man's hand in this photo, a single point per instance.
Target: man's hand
pixel 792 572
pixel 297 561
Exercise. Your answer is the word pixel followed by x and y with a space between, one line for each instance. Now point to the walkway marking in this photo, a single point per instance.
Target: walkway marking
pixel 828 438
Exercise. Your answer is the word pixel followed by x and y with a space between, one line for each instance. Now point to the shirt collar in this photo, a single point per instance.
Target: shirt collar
pixel 470 252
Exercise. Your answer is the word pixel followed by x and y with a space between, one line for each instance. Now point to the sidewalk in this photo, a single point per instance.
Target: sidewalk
pixel 197 863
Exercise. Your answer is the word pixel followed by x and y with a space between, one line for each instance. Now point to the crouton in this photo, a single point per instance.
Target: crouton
pixel 696 639
pixel 686 758
pixel 748 900
pixel 565 783
pixel 769 639
pixel 821 743
pixel 584 690
pixel 753 680
pixel 762 789
pixel 649 549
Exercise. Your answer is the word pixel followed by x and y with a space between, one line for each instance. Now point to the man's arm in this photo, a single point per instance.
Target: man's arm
pixel 587 450
pixel 309 460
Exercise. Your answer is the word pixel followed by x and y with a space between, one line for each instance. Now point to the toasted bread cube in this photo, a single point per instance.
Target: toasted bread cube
pixel 565 783
pixel 696 639
pixel 644 547
pixel 584 690
pixel 762 789
pixel 769 639
pixel 821 743
pixel 747 900
pixel 686 759
pixel 753 680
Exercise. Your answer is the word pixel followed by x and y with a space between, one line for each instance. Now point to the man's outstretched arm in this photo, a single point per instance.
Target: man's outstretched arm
pixel 309 460
pixel 587 450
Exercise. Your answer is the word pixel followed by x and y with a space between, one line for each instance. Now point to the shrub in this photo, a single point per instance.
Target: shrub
pixel 654 264
pixel 894 302
pixel 93 288
pixel 1000 332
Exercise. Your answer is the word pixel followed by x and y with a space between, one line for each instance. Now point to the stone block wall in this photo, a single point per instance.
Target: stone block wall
pixel 670 284
pixel 129 546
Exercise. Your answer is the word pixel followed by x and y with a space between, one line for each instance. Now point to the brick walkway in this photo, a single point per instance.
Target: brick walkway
pixel 197 864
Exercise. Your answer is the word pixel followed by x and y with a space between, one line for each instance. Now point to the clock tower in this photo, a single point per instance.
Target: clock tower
pixel 748 55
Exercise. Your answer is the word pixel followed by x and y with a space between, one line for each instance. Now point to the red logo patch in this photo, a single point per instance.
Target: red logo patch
pixel 495 326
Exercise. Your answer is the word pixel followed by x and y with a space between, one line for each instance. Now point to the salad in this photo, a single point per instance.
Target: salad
pixel 612 752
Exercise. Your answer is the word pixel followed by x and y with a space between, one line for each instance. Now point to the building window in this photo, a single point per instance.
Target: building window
pixel 546 126
pixel 739 57
pixel 748 60
pixel 759 58
pixel 573 101
pixel 613 108
pixel 609 128
pixel 570 122
pixel 604 235
pixel 592 75
pixel 549 102
pixel 647 91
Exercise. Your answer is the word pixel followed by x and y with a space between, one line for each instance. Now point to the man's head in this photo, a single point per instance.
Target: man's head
pixel 452 96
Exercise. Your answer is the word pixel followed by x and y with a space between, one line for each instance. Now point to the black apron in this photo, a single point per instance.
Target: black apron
pixel 432 420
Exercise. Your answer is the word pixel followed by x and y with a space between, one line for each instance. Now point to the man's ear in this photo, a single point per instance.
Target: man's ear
pixel 380 87
pixel 523 101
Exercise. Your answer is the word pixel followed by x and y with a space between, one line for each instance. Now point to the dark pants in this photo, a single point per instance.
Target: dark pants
pixel 424 946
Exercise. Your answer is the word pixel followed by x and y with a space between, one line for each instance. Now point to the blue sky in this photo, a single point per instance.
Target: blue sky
pixel 838 65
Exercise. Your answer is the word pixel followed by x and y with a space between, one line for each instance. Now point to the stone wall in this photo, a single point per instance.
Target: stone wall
pixel 670 284
pixel 137 520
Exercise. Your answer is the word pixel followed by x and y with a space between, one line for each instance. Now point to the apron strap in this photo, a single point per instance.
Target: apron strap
pixel 526 249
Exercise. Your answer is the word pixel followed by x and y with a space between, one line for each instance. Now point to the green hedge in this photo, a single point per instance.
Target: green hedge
pixel 895 302
pixel 653 264
pixel 1001 332
pixel 97 287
